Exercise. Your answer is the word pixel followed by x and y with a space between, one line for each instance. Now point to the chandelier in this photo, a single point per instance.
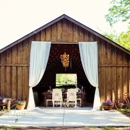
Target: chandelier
pixel 65 59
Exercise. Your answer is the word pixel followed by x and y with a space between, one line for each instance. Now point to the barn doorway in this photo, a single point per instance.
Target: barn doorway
pixel 54 66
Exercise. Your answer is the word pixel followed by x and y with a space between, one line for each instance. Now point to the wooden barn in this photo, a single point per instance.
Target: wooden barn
pixel 64 33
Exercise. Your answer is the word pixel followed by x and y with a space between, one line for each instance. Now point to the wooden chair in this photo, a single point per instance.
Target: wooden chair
pixel 79 98
pixel 48 99
pixel 80 101
pixel 57 97
pixel 71 97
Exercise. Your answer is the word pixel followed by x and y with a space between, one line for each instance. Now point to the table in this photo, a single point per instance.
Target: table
pixel 7 103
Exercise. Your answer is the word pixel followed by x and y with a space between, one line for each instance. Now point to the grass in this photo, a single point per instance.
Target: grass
pixel 3 111
pixel 65 128
pixel 125 111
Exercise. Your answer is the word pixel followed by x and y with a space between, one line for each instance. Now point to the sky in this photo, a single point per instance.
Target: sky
pixel 20 17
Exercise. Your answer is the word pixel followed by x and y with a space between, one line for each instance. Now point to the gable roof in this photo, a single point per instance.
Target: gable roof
pixel 64 16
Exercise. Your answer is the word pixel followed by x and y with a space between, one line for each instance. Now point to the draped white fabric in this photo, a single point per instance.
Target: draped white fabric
pixel 89 59
pixel 38 61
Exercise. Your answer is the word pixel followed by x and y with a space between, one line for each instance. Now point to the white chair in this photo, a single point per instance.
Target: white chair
pixel 48 100
pixel 71 97
pixel 57 97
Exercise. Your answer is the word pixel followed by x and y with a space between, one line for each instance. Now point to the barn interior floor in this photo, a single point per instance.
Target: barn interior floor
pixel 48 116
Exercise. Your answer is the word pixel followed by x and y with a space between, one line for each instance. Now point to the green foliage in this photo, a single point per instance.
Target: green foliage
pixel 109 128
pixel 122 39
pixel 65 79
pixel 20 102
pixel 119 11
pixel 123 111
pixel 10 128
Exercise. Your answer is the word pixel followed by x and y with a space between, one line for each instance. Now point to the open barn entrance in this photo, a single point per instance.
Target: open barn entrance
pixel 54 66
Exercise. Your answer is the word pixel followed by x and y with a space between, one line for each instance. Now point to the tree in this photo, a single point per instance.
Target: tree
pixel 119 11
pixel 122 39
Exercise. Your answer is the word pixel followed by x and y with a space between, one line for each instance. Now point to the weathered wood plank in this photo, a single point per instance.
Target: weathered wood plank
pixel 43 35
pixel 91 37
pixel 38 36
pixel 48 33
pixel 124 79
pixel 70 32
pixel 3 80
pixel 75 39
pixel 119 73
pixel 81 36
pixel 25 82
pixel 54 32
pixel 113 78
pixel 25 79
pixel 108 72
pixel 100 74
pixel 64 31
pixel 104 56
pixel 108 87
pixel 25 54
pixel 103 76
pixel 14 72
pixel 108 53
pixel 86 36
pixel 14 83
pixel 20 71
pixel 124 75
pixel 8 74
pixel 58 31
pixel 20 83
pixel 109 79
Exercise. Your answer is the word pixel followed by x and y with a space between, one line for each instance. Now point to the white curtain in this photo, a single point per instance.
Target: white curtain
pixel 38 60
pixel 89 59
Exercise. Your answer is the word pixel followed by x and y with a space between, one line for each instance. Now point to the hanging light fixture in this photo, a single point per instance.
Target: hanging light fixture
pixel 65 59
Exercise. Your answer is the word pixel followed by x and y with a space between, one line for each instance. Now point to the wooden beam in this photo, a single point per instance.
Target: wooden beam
pixel 69 42
pixel 14 65
pixel 114 65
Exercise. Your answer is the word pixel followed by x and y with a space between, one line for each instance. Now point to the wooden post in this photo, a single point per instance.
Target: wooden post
pixel 8 104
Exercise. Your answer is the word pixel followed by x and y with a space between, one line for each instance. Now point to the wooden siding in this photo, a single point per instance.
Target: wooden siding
pixel 114 64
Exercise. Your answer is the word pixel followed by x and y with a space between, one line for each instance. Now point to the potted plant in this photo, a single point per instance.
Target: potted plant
pixel 20 104
pixel 107 105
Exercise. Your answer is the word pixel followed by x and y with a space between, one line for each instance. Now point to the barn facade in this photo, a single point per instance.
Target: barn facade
pixel 64 33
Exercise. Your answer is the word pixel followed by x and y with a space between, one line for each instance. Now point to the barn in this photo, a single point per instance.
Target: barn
pixel 64 35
